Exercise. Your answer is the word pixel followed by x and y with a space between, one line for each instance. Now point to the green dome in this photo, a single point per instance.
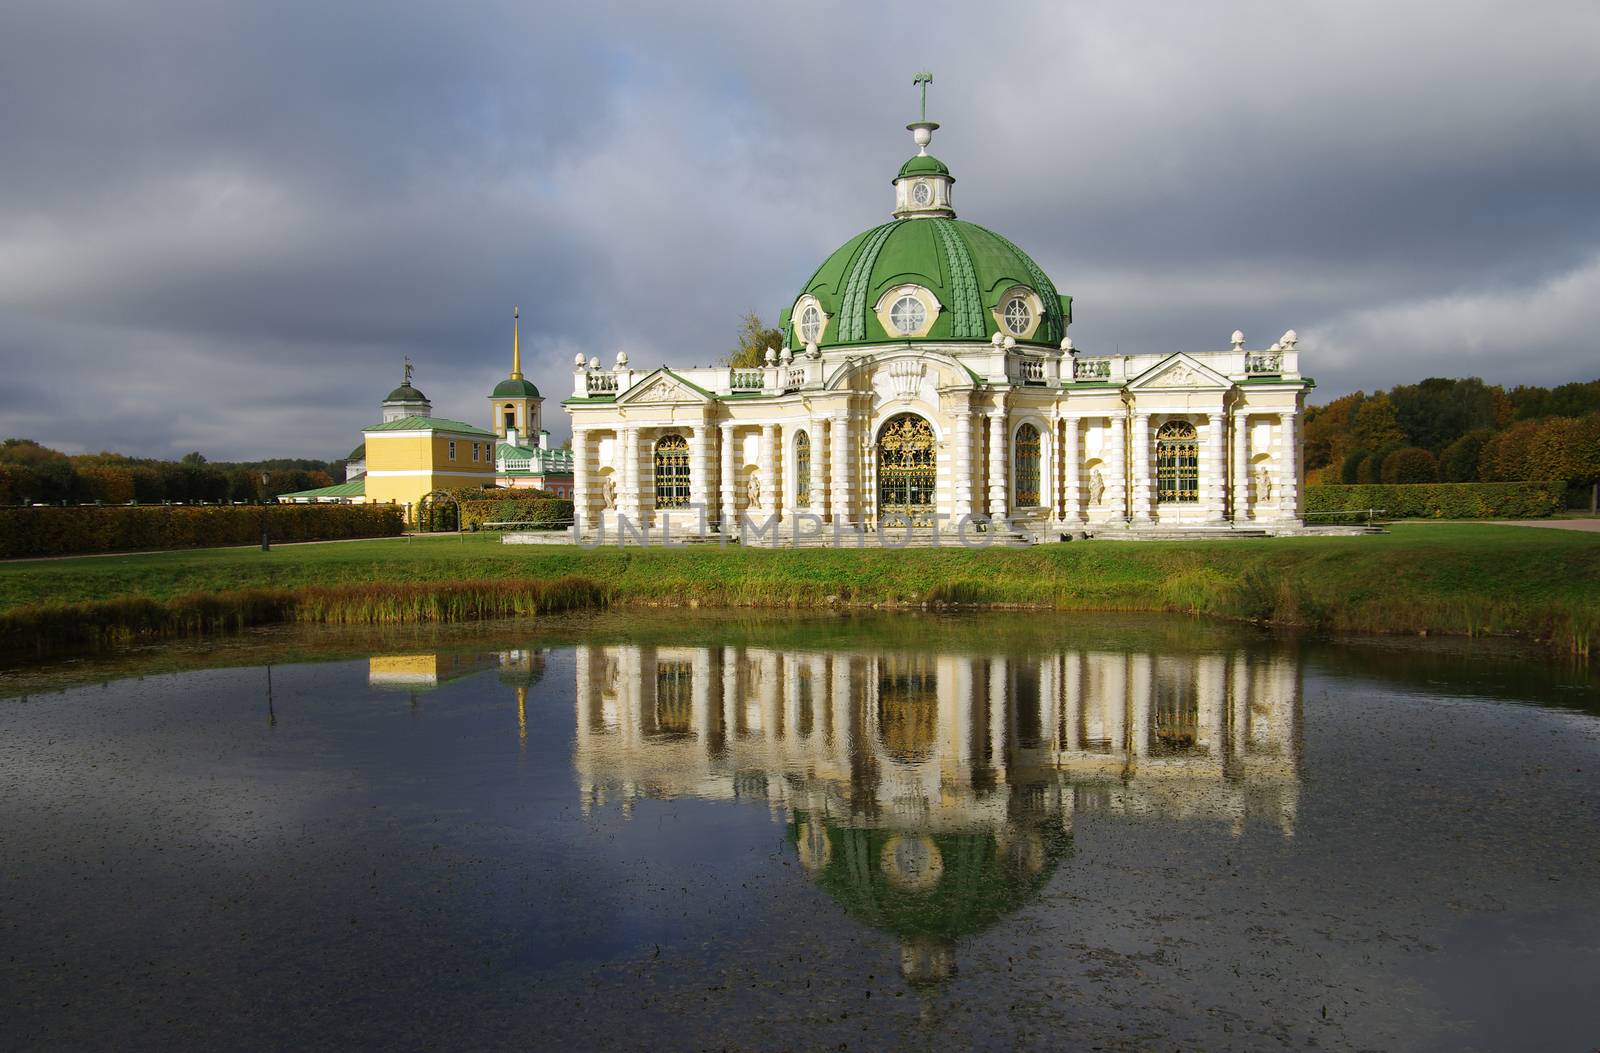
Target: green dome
pixel 405 393
pixel 515 389
pixel 924 164
pixel 358 454
pixel 966 267
pixel 977 885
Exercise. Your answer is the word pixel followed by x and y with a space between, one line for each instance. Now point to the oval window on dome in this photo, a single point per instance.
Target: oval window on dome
pixel 1018 315
pixel 908 315
pixel 922 194
pixel 810 324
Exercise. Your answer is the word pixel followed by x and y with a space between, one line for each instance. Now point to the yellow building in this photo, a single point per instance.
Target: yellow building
pixel 411 456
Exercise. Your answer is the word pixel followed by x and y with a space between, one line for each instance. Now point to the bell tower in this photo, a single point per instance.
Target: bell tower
pixel 516 407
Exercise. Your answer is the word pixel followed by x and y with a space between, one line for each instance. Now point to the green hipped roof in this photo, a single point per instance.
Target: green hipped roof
pixel 405 393
pixel 353 488
pixel 515 389
pixel 967 267
pixel 924 164
pixel 428 424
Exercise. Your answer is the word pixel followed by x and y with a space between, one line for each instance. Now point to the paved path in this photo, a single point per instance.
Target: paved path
pixel 1591 526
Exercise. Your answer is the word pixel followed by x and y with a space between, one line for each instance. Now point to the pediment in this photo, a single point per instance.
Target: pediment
pixel 662 386
pixel 1180 373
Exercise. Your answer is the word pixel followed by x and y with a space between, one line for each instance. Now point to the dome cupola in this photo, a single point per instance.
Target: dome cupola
pixel 406 400
pixel 922 189
pixel 926 276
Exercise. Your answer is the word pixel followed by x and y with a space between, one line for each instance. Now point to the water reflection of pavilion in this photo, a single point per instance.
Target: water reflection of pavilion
pixel 944 741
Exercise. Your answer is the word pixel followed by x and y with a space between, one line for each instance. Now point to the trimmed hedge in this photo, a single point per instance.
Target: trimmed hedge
pixel 550 512
pixel 83 529
pixel 1440 500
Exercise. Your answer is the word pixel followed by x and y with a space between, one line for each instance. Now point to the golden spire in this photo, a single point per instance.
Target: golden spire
pixel 516 343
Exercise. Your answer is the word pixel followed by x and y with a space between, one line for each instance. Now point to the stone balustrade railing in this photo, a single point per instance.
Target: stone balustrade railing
pixel 1091 369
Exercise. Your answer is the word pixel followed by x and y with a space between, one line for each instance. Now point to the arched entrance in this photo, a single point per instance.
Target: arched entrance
pixel 907 470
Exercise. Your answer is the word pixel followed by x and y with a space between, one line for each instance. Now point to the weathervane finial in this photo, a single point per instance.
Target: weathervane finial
pixel 922 80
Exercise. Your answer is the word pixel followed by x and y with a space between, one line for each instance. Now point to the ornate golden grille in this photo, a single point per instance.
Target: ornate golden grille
pixel 802 470
pixel 907 470
pixel 1177 463
pixel 672 472
pixel 1026 451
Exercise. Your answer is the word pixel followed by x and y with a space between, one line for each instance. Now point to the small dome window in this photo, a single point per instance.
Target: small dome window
pixel 1018 315
pixel 908 315
pixel 810 324
pixel 922 194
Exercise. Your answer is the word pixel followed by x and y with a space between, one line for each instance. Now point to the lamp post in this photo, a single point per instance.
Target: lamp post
pixel 266 542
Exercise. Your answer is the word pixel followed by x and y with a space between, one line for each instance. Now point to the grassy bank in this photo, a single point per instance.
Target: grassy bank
pixel 1467 579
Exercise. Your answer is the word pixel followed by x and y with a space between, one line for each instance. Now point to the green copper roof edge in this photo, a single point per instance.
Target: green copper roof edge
pixel 690 383
pixel 575 399
pixel 419 423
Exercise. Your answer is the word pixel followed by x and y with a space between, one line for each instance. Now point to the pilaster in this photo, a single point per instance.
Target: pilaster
pixel 1213 469
pixel 1289 467
pixel 580 480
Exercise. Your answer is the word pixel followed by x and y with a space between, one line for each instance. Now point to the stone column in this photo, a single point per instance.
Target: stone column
pixel 1213 469
pixel 730 505
pixel 1072 473
pixel 1289 467
pixel 628 499
pixel 700 468
pixel 1141 468
pixel 961 462
pixel 819 453
pixel 839 462
pixel 1241 466
pixel 997 466
pixel 770 505
pixel 1116 469
pixel 580 480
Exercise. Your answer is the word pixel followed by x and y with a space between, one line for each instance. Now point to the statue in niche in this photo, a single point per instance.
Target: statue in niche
pixel 1264 483
pixel 608 493
pixel 752 491
pixel 1097 486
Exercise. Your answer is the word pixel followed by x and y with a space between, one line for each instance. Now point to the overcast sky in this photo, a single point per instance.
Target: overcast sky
pixel 223 224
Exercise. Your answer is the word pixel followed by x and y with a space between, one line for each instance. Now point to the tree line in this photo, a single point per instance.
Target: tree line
pixel 30 473
pixel 1457 431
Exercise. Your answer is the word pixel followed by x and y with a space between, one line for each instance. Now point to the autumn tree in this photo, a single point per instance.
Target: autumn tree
pixel 754 339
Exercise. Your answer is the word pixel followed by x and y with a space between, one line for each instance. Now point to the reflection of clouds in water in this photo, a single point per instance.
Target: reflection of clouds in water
pixel 191 755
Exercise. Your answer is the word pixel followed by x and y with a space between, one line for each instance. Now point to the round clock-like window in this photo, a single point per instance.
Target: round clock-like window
pixel 922 194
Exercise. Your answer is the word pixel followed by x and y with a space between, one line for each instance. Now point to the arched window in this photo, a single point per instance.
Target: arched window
pixel 1026 453
pixel 1177 463
pixel 802 470
pixel 672 472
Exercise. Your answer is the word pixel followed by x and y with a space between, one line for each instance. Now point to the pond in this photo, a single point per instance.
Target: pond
pixel 654 831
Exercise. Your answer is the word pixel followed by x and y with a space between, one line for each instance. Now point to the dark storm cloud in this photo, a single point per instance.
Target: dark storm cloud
pixel 222 225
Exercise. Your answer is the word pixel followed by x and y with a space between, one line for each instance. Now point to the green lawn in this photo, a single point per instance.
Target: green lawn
pixel 1456 578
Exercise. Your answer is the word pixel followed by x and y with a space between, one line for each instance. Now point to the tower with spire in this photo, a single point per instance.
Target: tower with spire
pixel 516 405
